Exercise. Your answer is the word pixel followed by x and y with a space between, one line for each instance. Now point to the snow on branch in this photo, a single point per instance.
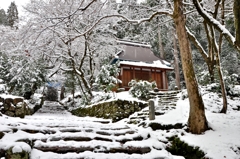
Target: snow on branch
pixel 221 28
pixel 165 11
pixel 197 44
pixel 74 12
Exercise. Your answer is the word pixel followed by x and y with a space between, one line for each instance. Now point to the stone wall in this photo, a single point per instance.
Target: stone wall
pixel 115 110
pixel 14 106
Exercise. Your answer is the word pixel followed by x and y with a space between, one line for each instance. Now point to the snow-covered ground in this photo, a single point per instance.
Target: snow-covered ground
pixel 221 142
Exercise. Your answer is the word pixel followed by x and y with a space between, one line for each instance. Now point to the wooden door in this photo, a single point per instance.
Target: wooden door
pixel 126 77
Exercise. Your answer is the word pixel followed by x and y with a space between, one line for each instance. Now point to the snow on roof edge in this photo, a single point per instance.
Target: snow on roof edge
pixel 133 43
pixel 156 64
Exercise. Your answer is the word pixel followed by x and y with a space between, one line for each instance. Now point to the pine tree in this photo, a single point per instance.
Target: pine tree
pixel 12 15
pixel 107 80
pixel 5 66
pixel 3 17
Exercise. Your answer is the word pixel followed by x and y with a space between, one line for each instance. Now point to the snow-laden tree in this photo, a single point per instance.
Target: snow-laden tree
pixel 65 34
pixel 12 15
pixel 22 72
pixel 3 17
pixel 107 78
pixel 5 66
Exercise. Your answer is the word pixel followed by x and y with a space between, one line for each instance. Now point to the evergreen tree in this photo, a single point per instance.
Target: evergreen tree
pixel 5 67
pixel 106 80
pixel 3 17
pixel 12 15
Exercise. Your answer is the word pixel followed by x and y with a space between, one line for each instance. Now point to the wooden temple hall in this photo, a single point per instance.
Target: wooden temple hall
pixel 137 61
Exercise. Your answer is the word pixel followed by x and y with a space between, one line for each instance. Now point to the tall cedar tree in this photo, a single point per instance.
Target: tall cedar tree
pixel 12 14
pixel 197 121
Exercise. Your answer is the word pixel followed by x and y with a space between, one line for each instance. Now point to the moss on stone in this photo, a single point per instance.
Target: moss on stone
pixel 19 155
pixel 115 110
pixel 1 134
pixel 181 148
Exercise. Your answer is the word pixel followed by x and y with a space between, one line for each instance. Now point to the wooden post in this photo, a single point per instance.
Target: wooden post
pixel 164 79
pixel 151 109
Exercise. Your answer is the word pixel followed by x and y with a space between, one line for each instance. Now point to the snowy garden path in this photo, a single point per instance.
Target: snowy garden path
pixel 52 132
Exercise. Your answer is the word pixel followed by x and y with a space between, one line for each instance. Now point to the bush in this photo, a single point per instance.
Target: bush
pixel 141 89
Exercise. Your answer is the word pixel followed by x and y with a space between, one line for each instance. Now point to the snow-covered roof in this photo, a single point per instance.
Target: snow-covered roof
pixel 139 54
pixel 155 64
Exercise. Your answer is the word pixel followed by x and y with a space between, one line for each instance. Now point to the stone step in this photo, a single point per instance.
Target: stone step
pixel 97 149
pixel 168 98
pixel 167 104
pixel 99 155
pixel 165 93
pixel 98 141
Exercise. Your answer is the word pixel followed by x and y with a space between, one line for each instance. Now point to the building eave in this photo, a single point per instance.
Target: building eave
pixel 155 64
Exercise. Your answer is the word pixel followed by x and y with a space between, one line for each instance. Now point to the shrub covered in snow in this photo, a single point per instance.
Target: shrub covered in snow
pixel 232 79
pixel 232 90
pixel 141 89
pixel 2 88
pixel 204 78
pixel 107 79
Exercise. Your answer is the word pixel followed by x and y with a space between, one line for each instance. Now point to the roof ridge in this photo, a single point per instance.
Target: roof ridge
pixel 127 42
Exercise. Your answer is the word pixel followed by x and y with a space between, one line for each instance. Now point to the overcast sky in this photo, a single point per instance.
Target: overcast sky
pixel 4 4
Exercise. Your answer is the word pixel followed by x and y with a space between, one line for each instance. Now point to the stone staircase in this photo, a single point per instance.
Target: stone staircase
pixel 95 140
pixel 167 100
pixel 52 132
pixel 164 102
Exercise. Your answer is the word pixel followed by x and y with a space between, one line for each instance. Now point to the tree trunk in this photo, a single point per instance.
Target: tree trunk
pixel 62 92
pixel 81 72
pixel 211 67
pixel 236 12
pixel 224 94
pixel 211 58
pixel 223 88
pixel 176 61
pixel 197 121
pixel 162 54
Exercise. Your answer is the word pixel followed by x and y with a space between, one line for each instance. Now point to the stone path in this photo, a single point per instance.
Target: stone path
pixel 52 131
